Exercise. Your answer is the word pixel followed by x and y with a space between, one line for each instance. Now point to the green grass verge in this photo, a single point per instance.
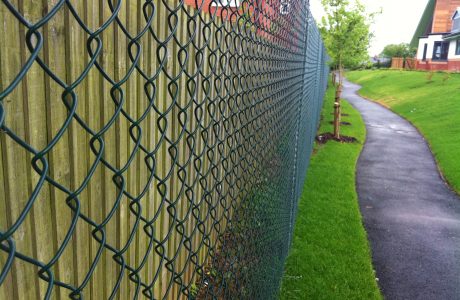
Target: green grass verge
pixel 433 106
pixel 330 256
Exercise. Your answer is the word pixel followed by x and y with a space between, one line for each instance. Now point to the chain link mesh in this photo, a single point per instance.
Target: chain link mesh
pixel 153 149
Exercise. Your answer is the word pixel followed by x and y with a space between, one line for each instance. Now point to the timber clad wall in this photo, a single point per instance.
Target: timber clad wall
pixel 443 15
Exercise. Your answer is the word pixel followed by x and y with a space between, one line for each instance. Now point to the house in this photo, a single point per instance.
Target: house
pixel 261 13
pixel 376 59
pixel 437 37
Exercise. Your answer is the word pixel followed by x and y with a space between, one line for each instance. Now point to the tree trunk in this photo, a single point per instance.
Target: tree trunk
pixel 338 95
pixel 337 110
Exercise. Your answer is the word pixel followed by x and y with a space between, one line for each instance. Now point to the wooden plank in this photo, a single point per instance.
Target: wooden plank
pixel 224 98
pixel 15 163
pixel 183 151
pixel 161 162
pixel 35 124
pixel 169 167
pixel 161 222
pixel 142 180
pixel 229 136
pixel 55 58
pixel 207 162
pixel 149 65
pixel 190 170
pixel 217 92
pixel 134 185
pixel 78 140
pixel 95 186
pixel 7 288
pixel 122 63
pixel 173 134
pixel 132 176
pixel 201 147
pixel 108 110
pixel 166 99
pixel 147 204
pixel 36 135
pixel 156 195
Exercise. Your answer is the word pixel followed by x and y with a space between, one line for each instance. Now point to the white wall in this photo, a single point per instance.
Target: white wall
pixel 421 48
pixel 452 46
pixel 430 41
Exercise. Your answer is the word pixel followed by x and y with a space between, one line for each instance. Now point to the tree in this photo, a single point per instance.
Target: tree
pixel 399 50
pixel 346 34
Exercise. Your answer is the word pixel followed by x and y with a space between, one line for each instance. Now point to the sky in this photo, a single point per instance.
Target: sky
pixel 395 25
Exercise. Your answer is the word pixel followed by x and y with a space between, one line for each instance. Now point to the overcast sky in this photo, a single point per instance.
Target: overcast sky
pixel 395 25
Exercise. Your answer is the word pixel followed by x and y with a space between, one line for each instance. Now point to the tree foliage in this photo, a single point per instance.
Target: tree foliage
pixel 399 50
pixel 346 32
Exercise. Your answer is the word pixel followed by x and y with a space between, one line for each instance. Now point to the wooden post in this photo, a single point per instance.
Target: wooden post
pixel 338 93
pixel 336 120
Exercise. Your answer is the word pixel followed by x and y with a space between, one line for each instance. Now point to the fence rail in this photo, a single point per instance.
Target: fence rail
pixel 153 149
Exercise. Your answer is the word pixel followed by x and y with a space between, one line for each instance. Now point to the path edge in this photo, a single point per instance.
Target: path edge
pixel 440 172
pixel 371 252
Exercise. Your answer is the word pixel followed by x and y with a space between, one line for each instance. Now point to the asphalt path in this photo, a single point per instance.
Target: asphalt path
pixel 411 216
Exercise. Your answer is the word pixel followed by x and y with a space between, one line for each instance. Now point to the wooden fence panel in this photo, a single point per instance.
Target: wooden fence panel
pixel 397 63
pixel 410 63
pixel 133 124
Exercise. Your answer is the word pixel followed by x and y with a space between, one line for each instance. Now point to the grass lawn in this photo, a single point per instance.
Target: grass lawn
pixel 330 256
pixel 432 106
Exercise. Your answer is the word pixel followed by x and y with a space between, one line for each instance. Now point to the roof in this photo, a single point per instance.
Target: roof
pixel 452 36
pixel 456 13
pixel 424 26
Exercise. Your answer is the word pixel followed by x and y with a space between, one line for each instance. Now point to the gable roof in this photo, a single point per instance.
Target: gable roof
pixel 424 26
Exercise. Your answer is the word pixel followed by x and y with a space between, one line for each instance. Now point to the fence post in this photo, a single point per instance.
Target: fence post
pixel 295 182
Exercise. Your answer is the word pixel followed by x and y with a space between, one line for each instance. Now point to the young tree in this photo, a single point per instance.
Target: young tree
pixel 346 34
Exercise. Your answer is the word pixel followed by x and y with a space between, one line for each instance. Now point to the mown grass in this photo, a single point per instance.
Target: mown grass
pixel 330 256
pixel 432 105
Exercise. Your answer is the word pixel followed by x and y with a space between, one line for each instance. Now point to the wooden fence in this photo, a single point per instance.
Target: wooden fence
pixel 403 63
pixel 120 166
pixel 35 113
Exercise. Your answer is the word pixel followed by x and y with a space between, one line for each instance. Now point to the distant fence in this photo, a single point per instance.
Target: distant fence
pixel 410 63
pixel 403 63
pixel 153 149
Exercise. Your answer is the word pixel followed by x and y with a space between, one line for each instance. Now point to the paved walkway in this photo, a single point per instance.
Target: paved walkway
pixel 412 218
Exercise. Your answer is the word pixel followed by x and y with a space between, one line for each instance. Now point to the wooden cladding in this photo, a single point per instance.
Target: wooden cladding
pixel 443 12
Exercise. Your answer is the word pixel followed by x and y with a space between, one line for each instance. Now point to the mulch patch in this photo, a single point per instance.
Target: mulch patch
pixel 343 115
pixel 326 137
pixel 341 123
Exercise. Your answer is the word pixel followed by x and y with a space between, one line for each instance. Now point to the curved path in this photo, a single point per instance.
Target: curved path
pixel 412 218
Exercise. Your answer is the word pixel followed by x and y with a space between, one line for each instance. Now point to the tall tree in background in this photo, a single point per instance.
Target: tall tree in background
pixel 346 34
pixel 399 50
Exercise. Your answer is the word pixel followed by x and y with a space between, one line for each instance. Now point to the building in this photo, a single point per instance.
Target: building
pixel 437 37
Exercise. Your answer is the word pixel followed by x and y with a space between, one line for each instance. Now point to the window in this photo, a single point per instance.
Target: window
pixel 456 21
pixel 225 3
pixel 457 48
pixel 440 50
pixel 456 25
pixel 425 49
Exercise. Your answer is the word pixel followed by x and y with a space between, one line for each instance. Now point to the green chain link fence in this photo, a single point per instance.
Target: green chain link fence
pixel 153 149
